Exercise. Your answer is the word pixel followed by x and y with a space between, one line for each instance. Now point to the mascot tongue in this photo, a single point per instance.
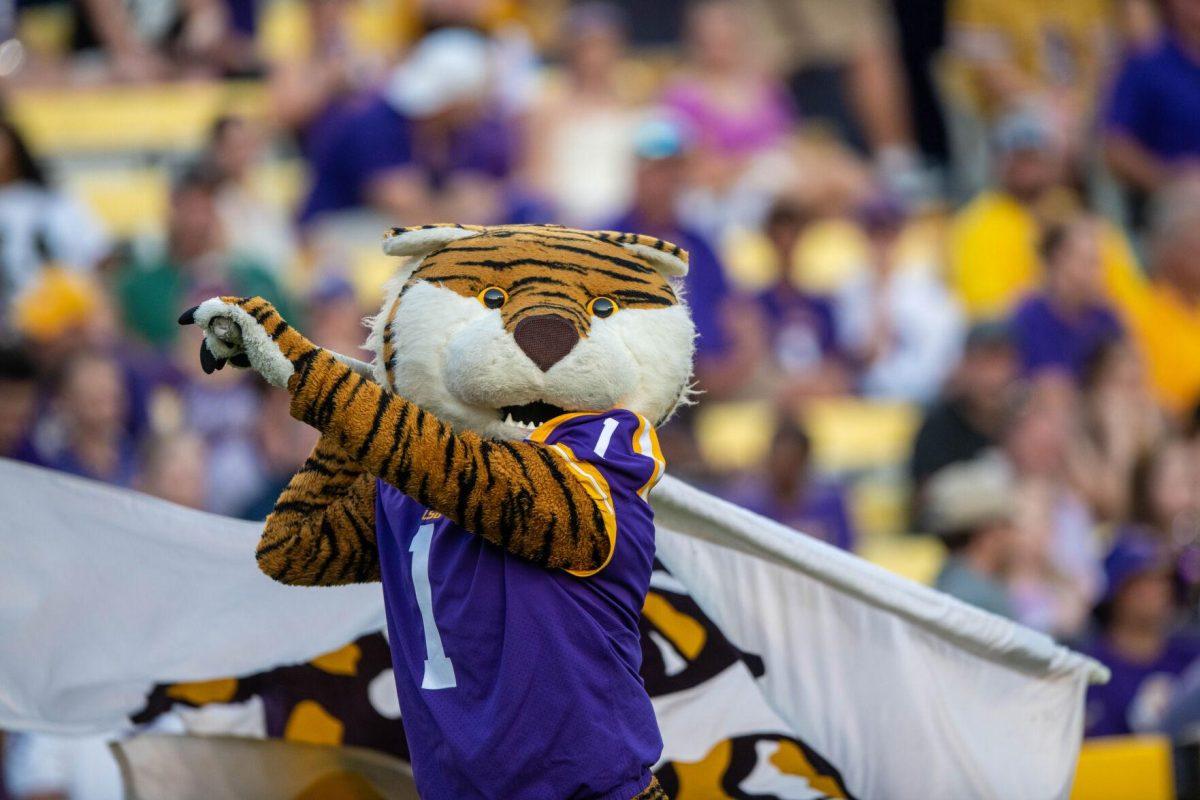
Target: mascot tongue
pixel 530 415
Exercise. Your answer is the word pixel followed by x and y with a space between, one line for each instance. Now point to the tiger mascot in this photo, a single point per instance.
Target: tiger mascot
pixel 491 469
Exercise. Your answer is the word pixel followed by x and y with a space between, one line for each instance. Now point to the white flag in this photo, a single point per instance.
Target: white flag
pixel 908 692
pixel 105 592
pixel 846 681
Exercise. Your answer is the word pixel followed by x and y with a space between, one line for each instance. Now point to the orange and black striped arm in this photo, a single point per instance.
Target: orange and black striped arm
pixel 322 531
pixel 521 496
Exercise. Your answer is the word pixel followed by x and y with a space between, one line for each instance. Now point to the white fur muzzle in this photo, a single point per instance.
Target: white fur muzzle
pixel 452 356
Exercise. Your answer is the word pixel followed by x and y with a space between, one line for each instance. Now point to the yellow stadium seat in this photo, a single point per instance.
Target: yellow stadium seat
pixel 130 202
pixel 1124 768
pixel 282 183
pixel 917 558
pixel 749 260
pixel 734 435
pixel 850 434
pixel 829 253
pixel 377 27
pixel 370 270
pixel 879 503
pixel 163 118
pixel 834 250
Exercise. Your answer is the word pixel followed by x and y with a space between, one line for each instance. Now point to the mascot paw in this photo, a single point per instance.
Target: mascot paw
pixel 247 332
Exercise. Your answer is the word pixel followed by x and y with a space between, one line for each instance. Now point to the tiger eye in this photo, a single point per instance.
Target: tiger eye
pixel 602 307
pixel 493 297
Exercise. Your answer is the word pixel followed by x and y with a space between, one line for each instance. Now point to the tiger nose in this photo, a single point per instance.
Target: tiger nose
pixel 545 338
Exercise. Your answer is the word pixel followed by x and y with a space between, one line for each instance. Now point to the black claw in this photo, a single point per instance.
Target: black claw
pixel 188 317
pixel 208 362
pixel 220 364
pixel 241 360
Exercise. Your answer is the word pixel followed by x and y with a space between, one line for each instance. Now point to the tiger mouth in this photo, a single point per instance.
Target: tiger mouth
pixel 530 415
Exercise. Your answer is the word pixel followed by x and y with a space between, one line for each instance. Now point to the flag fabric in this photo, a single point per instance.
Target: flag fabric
pixel 162 767
pixel 908 692
pixel 778 666
pixel 721 738
pixel 105 592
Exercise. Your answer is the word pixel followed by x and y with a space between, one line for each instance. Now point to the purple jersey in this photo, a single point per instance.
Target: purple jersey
pixel 516 681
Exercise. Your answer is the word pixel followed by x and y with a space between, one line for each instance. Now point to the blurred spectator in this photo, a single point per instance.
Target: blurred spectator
pixel 39 225
pixel 993 243
pixel 283 444
pixel 1162 314
pixel 64 314
pixel 921 30
pixel 1151 130
pixel 787 491
pixel 974 407
pixel 579 141
pixel 970 509
pixel 224 409
pixel 431 146
pixel 173 468
pixel 1121 423
pixel 195 262
pixel 310 91
pixel 737 114
pixel 897 321
pixel 1061 326
pixel 1137 617
pixel 1022 51
pixel 1055 577
pixel 732 106
pixel 1164 495
pixel 86 431
pixel 153 41
pixel 18 402
pixel 801 326
pixel 254 227
pixel 730 344
pixel 61 312
pixel 841 62
pixel 335 317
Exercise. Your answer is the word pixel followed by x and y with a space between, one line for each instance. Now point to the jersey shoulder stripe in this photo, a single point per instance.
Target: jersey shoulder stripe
pixel 613 454
pixel 645 443
pixel 597 486
pixel 622 443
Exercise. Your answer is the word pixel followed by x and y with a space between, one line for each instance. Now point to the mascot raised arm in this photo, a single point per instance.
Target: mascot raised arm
pixel 491 468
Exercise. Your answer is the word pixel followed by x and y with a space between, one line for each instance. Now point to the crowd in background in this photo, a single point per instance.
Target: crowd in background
pixel 984 210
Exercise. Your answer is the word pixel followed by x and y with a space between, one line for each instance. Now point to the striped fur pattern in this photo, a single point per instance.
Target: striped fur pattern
pixel 322 531
pixel 543 270
pixel 670 258
pixel 437 344
pixel 652 792
pixel 517 494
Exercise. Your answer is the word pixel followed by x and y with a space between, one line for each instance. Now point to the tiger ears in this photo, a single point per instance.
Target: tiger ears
pixel 424 239
pixel 669 259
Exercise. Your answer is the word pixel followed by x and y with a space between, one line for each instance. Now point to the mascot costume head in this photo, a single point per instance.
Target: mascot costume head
pixel 498 330
pixel 491 468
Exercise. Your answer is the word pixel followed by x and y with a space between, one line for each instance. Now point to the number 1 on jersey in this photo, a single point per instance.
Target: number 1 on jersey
pixel 439 671
pixel 606 434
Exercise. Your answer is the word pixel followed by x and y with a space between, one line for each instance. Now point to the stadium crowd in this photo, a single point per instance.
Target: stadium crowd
pixel 963 235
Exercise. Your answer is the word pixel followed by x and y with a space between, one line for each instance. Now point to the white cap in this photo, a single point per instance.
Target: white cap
pixel 444 68
pixel 970 494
